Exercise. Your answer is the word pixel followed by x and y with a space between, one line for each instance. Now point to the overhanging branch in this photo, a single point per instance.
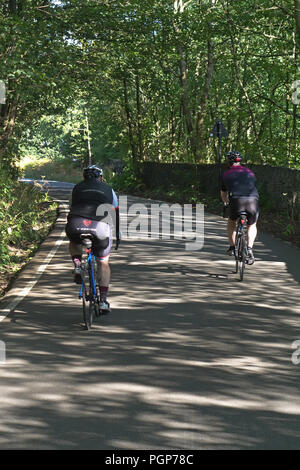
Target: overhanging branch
pixel 286 111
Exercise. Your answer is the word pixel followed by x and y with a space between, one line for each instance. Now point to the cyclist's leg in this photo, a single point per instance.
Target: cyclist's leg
pixel 252 233
pixel 252 213
pixel 103 276
pixel 231 224
pixel 75 249
pixel 73 234
pixel 104 281
pixel 231 231
pixel 102 248
pixel 75 252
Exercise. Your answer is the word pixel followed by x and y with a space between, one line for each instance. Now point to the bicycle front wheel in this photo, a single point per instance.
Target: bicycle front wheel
pixel 87 304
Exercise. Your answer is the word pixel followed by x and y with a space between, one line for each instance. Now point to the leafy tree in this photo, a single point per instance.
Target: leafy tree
pixel 153 76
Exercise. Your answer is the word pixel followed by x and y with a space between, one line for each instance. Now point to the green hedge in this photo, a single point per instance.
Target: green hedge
pixel 26 215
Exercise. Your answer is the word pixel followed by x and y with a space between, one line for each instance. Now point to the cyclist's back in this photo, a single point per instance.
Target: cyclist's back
pixel 88 195
pixel 240 181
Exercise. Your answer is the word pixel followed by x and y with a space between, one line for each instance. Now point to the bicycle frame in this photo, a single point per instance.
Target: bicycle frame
pixel 240 250
pixel 88 293
pixel 91 273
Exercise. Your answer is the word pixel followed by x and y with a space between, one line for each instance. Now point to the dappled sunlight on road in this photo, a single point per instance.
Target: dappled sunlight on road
pixel 190 357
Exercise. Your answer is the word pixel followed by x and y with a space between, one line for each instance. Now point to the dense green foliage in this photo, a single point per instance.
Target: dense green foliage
pixel 152 77
pixel 25 217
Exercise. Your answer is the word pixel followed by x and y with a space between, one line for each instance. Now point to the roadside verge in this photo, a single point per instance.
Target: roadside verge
pixel 32 272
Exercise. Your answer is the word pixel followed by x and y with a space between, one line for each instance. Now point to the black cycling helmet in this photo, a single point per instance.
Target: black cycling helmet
pixel 92 171
pixel 233 156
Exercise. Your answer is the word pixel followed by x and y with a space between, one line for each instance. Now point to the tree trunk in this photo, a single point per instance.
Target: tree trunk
pixel 7 123
pixel 185 101
pixel 179 7
pixel 243 86
pixel 204 98
pixel 139 117
pixel 129 123
pixel 296 55
pixel 88 135
pixel 158 136
pixel 12 6
pixel 172 133
pixel 297 18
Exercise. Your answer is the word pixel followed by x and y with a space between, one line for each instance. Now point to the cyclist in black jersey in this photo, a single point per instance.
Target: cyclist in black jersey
pixel 239 191
pixel 87 198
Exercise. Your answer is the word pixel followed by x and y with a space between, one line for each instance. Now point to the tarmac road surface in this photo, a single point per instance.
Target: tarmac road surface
pixel 190 358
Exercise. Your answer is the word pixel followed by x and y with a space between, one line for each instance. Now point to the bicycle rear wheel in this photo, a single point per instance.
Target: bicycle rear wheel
pixel 237 250
pixel 87 303
pixel 242 269
pixel 88 312
pixel 240 254
pixel 96 288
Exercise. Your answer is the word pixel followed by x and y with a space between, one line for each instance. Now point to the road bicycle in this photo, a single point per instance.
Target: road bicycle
pixel 241 244
pixel 89 289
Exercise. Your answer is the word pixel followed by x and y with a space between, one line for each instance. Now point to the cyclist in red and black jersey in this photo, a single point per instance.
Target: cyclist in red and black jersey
pixel 239 191
pixel 87 197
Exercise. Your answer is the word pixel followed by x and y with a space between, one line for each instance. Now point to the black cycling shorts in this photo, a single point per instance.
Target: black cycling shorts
pixel 102 234
pixel 247 204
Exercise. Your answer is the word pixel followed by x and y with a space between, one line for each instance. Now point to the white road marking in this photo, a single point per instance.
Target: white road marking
pixel 24 292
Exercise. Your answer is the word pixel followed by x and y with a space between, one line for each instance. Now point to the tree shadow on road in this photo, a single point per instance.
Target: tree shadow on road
pixel 188 359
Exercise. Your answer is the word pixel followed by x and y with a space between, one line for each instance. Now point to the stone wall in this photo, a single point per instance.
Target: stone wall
pixel 279 188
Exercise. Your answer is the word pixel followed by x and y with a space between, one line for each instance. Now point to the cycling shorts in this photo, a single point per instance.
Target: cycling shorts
pixel 247 204
pixel 101 232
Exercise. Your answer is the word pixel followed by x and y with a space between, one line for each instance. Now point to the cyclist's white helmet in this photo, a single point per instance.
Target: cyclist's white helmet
pixel 92 171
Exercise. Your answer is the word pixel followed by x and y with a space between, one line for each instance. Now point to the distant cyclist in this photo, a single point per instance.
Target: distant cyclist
pixel 87 198
pixel 239 191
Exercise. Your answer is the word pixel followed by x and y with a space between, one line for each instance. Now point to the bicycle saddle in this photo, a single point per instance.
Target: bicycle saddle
pixel 87 239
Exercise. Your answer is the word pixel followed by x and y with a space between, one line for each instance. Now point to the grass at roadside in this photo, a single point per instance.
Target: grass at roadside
pixel 26 214
pixel 26 217
pixel 50 170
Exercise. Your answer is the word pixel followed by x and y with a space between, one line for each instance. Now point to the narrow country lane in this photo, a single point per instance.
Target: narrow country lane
pixel 189 358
